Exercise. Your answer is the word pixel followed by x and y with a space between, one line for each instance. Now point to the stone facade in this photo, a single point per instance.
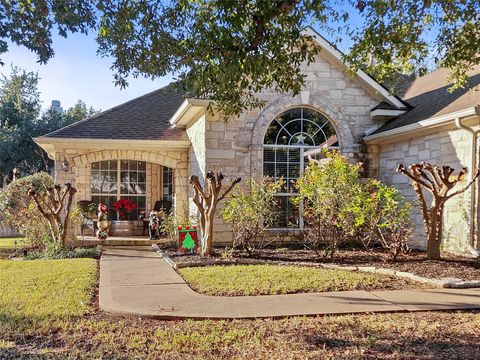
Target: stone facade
pixel 446 147
pixel 235 147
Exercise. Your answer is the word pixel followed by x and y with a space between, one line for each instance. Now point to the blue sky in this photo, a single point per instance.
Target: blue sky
pixel 76 72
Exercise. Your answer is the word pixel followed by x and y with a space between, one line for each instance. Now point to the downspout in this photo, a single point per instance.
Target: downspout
pixel 473 193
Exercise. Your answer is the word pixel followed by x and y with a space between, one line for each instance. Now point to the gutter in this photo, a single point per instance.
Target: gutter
pixel 473 192
pixel 434 122
pixel 187 112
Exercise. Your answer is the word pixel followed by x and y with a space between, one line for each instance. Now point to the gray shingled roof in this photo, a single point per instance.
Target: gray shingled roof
pixel 146 118
pixel 429 97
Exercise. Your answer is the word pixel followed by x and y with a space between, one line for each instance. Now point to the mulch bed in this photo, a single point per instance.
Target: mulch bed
pixel 451 266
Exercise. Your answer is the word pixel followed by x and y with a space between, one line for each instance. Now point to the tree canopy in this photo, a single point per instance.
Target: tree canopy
pixel 21 119
pixel 229 51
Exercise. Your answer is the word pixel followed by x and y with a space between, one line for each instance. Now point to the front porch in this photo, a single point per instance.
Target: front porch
pixel 84 241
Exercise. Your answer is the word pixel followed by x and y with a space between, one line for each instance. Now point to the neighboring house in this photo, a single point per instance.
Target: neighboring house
pixel 147 148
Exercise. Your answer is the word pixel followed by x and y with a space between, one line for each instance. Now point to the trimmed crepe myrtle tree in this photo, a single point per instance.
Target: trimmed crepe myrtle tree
pixel 206 198
pixel 439 181
pixel 55 206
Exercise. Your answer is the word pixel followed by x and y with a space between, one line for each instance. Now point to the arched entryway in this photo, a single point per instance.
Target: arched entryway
pixel 140 182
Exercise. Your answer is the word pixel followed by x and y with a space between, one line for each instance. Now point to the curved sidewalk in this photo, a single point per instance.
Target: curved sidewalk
pixel 135 280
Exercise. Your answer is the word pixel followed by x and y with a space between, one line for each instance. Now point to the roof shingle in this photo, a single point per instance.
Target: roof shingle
pixel 145 118
pixel 429 97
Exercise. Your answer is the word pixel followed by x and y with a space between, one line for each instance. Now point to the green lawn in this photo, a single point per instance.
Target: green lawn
pixel 12 243
pixel 46 289
pixel 238 280
pixel 59 293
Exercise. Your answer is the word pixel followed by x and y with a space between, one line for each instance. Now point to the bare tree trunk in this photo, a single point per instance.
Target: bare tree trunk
pixel 438 181
pixel 51 206
pixel 206 199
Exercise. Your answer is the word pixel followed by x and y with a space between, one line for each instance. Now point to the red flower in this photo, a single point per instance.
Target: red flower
pixel 123 206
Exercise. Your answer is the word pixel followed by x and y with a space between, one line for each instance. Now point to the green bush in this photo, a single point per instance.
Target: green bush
pixel 337 206
pixel 327 191
pixel 383 216
pixel 19 212
pixel 64 254
pixel 249 212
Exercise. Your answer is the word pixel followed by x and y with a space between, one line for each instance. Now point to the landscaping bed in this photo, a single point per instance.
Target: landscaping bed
pixel 451 266
pixel 244 280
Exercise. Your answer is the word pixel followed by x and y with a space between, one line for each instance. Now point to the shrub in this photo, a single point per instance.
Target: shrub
pixel 64 253
pixel 19 212
pixel 327 191
pixel 384 217
pixel 249 212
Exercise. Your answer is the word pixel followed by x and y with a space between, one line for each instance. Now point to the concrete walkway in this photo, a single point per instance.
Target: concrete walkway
pixel 135 280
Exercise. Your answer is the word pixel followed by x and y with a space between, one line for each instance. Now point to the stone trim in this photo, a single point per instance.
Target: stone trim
pixel 140 155
pixel 318 103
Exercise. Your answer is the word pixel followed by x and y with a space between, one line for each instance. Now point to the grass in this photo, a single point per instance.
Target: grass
pixel 380 336
pixel 242 280
pixel 46 289
pixel 13 243
pixel 59 293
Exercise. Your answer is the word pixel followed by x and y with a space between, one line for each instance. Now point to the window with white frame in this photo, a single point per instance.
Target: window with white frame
pixel 113 180
pixel 288 140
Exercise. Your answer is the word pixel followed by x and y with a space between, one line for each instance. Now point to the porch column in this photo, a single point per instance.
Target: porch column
pixel 181 194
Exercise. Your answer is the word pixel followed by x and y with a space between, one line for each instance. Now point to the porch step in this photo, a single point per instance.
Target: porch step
pixel 116 242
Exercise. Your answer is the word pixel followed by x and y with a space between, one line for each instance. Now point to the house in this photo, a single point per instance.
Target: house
pixel 147 148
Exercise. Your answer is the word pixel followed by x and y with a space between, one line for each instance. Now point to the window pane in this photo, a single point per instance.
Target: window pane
pixel 269 169
pixel 142 177
pixel 113 164
pixel 124 164
pixel 142 166
pixel 287 213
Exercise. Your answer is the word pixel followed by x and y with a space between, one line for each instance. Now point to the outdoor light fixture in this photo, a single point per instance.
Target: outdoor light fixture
pixel 65 164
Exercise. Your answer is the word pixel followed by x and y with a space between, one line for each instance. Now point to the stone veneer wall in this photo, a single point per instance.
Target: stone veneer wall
pixel 450 147
pixel 236 147
pixel 79 171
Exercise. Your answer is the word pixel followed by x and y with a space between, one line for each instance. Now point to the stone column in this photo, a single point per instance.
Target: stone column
pixel 180 178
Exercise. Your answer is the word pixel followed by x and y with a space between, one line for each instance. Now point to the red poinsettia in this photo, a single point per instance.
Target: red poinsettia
pixel 123 206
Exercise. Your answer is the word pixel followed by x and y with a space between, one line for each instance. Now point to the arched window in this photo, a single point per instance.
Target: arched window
pixel 289 139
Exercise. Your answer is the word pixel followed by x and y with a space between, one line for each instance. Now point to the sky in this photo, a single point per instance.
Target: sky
pixel 77 73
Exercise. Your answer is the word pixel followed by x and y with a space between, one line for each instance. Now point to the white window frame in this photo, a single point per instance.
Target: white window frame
pixel 302 149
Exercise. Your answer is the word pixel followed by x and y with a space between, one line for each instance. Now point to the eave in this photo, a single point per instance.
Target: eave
pixel 189 111
pixel 50 144
pixel 418 128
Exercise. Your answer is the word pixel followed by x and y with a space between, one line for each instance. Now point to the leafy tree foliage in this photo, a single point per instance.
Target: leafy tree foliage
pixel 18 211
pixel 20 120
pixel 231 50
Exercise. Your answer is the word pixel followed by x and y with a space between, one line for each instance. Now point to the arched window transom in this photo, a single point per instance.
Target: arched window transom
pixel 289 140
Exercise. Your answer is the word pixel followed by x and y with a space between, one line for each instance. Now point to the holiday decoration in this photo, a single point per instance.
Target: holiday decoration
pixel 187 239
pixel 102 224
pixel 153 225
pixel 124 206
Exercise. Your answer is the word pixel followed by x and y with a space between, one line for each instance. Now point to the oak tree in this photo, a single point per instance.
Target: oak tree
pixel 229 51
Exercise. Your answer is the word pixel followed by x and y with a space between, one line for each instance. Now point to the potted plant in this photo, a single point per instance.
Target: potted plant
pixel 123 207
pixel 124 226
